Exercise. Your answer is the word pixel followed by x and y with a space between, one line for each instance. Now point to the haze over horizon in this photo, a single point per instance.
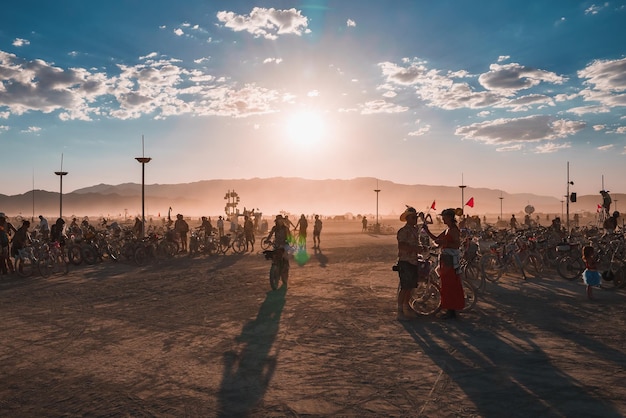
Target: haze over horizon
pixel 502 93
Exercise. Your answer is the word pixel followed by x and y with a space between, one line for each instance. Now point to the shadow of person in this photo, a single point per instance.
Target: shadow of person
pixel 247 373
pixel 321 258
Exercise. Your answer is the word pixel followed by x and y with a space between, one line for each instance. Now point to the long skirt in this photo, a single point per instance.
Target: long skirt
pixel 452 296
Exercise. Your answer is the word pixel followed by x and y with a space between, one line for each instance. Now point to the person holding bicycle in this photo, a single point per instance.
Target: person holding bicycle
pixel 408 249
pixel 452 296
pixel 280 232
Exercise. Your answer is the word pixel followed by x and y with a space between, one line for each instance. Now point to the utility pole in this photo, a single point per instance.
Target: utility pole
pixel 462 187
pixel 60 174
pixel 143 161
pixel 377 226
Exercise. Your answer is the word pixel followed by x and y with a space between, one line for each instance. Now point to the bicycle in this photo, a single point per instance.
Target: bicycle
pixel 279 270
pixel 426 297
pixel 53 260
pixel 503 257
pixel 26 262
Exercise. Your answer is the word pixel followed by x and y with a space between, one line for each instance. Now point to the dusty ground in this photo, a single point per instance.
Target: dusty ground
pixel 205 337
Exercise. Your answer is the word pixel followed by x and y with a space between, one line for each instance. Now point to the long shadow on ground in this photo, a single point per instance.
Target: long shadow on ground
pixel 501 366
pixel 248 373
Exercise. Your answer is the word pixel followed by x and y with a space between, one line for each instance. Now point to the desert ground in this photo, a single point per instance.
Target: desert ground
pixel 206 337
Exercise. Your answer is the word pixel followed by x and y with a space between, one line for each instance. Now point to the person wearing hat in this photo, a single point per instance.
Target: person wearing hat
pixel 408 249
pixel 449 241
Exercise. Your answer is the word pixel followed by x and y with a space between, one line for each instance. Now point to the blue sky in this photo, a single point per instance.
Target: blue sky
pixel 495 94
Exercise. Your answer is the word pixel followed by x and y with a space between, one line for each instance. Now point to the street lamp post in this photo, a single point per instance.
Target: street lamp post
pixel 462 187
pixel 143 161
pixel 60 174
pixel 377 226
pixel 568 197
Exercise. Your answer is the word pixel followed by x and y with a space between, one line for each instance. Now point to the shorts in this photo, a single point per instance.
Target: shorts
pixel 409 274
pixel 591 277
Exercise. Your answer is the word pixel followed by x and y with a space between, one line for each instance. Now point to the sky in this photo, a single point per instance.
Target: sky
pixel 496 94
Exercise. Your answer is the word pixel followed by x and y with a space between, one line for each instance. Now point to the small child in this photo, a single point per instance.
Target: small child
pixel 591 276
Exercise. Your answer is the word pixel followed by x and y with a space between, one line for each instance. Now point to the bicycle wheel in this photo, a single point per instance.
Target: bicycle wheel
pixel 167 249
pixel 471 295
pixel 89 254
pixel 533 265
pixel 45 265
pixel 274 276
pixel 74 254
pixel 25 266
pixel 238 245
pixel 141 256
pixel 619 280
pixel 266 244
pixel 569 267
pixel 426 297
pixel 61 264
pixel 471 271
pixel 489 268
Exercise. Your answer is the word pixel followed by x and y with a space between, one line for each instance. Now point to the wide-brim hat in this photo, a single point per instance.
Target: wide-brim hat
pixel 449 212
pixel 408 211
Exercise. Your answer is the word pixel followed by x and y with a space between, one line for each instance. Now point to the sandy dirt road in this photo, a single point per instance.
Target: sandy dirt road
pixel 207 337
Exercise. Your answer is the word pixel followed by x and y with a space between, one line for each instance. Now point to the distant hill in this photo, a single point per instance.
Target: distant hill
pixel 293 195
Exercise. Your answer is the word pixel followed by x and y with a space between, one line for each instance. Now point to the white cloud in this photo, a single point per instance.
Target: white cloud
pixel 510 78
pixel 350 23
pixel 266 23
pixel 18 42
pixel 598 128
pixel 422 130
pixel 594 9
pixel 526 129
pixel 605 75
pixel 381 106
pixel 551 147
pixel 443 91
pixel 160 88
pixel 178 32
pixel 272 60
pixel 606 147
pixel 503 58
pixel 32 130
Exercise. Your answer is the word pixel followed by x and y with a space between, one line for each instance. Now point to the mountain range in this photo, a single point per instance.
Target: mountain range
pixel 292 195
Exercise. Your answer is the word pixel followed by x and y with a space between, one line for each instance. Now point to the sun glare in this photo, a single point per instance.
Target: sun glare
pixel 305 128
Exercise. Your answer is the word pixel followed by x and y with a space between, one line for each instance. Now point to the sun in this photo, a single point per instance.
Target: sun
pixel 305 128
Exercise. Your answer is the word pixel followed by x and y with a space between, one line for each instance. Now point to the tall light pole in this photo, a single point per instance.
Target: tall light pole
pixel 568 198
pixel 60 174
pixel 143 161
pixel 377 226
pixel 462 187
pixel 501 198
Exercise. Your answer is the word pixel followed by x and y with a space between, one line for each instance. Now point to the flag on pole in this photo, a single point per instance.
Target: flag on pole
pixel 433 206
pixel 470 202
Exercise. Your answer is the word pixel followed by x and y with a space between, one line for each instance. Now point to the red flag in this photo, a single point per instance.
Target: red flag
pixel 470 202
pixel 433 206
pixel 599 208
